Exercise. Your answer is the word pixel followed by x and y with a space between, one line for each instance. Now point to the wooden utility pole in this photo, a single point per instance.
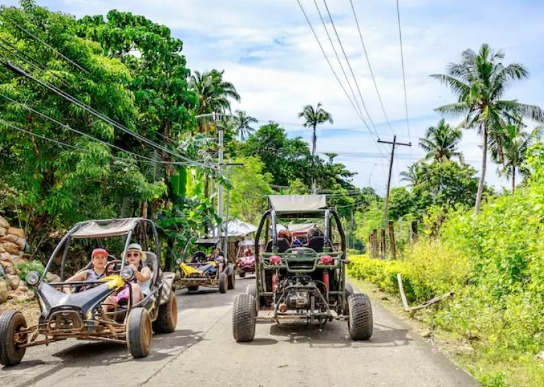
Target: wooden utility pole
pixel 394 143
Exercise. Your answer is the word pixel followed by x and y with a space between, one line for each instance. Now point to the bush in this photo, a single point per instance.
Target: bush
pixel 34 265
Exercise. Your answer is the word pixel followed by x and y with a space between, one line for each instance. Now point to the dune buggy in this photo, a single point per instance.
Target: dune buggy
pixel 202 270
pixel 245 258
pixel 80 309
pixel 306 283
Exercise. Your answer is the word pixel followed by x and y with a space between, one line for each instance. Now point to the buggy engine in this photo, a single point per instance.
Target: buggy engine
pixel 299 292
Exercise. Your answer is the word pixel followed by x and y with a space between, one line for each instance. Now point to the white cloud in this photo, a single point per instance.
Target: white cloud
pixel 271 56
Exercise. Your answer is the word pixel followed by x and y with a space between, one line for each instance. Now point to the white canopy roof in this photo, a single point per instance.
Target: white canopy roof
pixel 106 228
pixel 297 203
pixel 236 227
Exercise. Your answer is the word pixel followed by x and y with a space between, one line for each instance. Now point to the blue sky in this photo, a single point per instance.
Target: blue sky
pixel 268 51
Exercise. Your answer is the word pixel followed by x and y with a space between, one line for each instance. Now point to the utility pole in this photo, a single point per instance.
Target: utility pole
pixel 226 247
pixel 394 143
pixel 221 130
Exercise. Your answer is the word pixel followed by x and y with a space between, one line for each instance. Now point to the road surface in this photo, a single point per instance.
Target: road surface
pixel 201 352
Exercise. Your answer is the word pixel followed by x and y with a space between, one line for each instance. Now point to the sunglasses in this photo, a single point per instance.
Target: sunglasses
pixel 130 255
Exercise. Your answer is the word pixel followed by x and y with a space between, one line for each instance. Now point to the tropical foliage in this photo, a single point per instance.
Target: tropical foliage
pixel 479 80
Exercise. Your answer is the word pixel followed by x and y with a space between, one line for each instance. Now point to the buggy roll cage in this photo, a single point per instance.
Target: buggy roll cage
pixel 103 228
pixel 271 214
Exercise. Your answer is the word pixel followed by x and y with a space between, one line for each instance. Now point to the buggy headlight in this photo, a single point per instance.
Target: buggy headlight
pixel 127 273
pixel 178 261
pixel 32 278
pixel 275 260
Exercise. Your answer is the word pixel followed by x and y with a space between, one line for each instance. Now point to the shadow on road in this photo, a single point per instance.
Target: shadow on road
pixel 98 354
pixel 332 335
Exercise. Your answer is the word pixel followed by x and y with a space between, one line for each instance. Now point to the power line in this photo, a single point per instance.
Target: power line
pixel 350 68
pixel 370 66
pixel 339 61
pixel 5 123
pixel 66 126
pixel 328 62
pixel 28 59
pixel 15 24
pixel 60 143
pixel 89 109
pixel 337 78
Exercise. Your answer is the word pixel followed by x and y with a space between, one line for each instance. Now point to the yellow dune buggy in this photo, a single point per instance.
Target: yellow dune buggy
pixel 200 270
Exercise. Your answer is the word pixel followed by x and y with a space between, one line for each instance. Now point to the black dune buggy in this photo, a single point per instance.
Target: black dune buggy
pixel 199 270
pixel 306 283
pixel 80 309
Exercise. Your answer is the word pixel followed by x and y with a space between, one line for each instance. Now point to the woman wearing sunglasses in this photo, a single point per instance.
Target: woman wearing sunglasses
pixel 142 275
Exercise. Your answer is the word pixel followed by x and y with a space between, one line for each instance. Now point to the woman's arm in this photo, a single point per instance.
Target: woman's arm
pixel 143 275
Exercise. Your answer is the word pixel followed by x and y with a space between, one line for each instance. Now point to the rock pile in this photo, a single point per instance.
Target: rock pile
pixel 12 262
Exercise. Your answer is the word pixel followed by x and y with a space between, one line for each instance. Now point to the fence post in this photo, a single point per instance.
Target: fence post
pixel 413 231
pixel 383 243
pixel 392 245
pixel 374 243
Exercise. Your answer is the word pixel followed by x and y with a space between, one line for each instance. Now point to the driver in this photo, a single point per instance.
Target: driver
pixel 219 258
pixel 99 259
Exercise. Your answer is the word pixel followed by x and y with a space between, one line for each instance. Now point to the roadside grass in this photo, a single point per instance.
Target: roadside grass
pixel 493 361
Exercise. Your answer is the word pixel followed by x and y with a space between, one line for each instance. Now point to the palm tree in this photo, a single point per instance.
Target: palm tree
pixel 331 156
pixel 414 174
pixel 314 117
pixel 479 80
pixel 242 124
pixel 514 143
pixel 441 142
pixel 213 93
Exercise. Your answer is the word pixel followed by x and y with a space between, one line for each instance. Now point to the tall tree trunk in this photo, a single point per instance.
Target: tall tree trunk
pixel 513 178
pixel 484 167
pixel 314 141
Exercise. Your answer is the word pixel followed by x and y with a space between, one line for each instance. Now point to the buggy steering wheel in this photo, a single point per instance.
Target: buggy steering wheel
pixel 113 267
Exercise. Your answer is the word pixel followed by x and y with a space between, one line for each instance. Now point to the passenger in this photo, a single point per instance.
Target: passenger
pixel 141 285
pixel 247 253
pixel 286 234
pixel 314 231
pixel 296 242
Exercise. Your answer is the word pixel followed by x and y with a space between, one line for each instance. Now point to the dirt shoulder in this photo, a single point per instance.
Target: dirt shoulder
pixel 456 348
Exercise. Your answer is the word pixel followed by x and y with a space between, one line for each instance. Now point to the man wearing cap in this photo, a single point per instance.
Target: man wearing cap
pixel 98 270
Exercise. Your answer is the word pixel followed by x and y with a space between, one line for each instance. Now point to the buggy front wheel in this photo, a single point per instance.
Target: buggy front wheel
pixel 223 282
pixel 139 332
pixel 11 322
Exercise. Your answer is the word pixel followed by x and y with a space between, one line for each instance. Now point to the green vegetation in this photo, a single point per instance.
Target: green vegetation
pixel 139 137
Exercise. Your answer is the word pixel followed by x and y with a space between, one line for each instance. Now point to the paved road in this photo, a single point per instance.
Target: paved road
pixel 201 352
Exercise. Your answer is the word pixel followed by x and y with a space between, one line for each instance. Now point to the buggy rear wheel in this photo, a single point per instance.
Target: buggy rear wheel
pixel 192 288
pixel 139 332
pixel 241 274
pixel 223 282
pixel 243 318
pixel 231 280
pixel 360 320
pixel 167 318
pixel 11 322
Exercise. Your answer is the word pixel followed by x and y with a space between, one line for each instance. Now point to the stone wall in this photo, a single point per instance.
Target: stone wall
pixel 12 261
